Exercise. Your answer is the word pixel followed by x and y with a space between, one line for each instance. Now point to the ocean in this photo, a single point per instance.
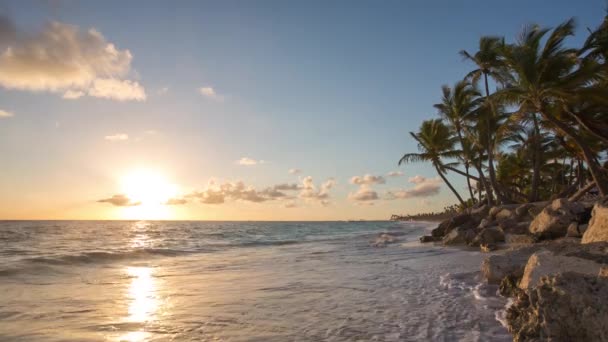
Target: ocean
pixel 239 281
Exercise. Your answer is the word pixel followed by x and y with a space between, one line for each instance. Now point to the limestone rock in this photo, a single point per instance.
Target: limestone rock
pixel 573 230
pixel 546 263
pixel 504 214
pixel 493 211
pixel 564 307
pixel 428 238
pixel 459 236
pixel 519 239
pixel 512 263
pixel 554 220
pixel 522 210
pixel 488 236
pixel 598 225
pixel 447 225
pixel 513 227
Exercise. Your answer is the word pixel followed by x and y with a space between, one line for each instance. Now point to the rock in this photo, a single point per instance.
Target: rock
pixel 522 210
pixel 582 228
pixel 546 263
pixel 519 239
pixel 598 225
pixel 565 307
pixel 488 247
pixel 493 211
pixel 484 223
pixel 504 214
pixel 508 286
pixel 534 211
pixel 488 236
pixel 512 263
pixel 573 230
pixel 428 238
pixel 513 227
pixel 449 224
pixel 384 239
pixel 603 272
pixel 554 220
pixel 480 212
pixel 459 236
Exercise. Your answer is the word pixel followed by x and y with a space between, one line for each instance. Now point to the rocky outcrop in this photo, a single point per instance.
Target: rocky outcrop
pixel 446 226
pixel 512 263
pixel 488 236
pixel 459 236
pixel 564 307
pixel 598 225
pixel 545 263
pixel 429 238
pixel 554 220
pixel 519 239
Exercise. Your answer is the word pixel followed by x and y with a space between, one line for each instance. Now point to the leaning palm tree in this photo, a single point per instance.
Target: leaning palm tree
pixel 456 104
pixel 489 64
pixel 545 80
pixel 435 142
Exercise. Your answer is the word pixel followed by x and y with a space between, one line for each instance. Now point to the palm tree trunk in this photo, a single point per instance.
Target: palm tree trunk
pixel 597 172
pixel 490 147
pixel 599 131
pixel 536 165
pixel 466 162
pixel 451 187
pixel 486 187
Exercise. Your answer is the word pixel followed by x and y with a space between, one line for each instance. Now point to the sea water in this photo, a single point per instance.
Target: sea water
pixel 238 281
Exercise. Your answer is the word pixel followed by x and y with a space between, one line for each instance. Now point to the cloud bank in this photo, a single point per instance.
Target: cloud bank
pixel 367 180
pixel 424 187
pixel 64 59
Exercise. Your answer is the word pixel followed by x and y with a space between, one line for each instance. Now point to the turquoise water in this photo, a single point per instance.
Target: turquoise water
pixel 238 281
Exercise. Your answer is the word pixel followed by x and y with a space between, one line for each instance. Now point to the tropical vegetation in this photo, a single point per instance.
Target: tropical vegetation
pixel 543 130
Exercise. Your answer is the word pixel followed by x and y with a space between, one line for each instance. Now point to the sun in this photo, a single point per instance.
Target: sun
pixel 147 187
pixel 148 190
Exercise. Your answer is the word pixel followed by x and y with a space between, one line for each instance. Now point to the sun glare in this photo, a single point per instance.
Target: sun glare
pixel 148 191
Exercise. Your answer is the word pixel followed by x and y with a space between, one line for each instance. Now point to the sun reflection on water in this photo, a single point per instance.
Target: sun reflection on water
pixel 142 294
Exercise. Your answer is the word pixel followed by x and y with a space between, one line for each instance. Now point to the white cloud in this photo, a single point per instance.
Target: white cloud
pixel 310 192
pixel 151 132
pixel 364 193
pixel 218 193
pixel 117 137
pixel 64 59
pixel 120 90
pixel 6 114
pixel 290 204
pixel 394 174
pixel 424 187
pixel 246 161
pixel 294 171
pixel 367 180
pixel 210 93
pixel 162 91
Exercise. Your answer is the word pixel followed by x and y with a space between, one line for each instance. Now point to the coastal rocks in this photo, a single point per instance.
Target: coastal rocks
pixel 512 263
pixel 384 239
pixel 504 214
pixel 523 210
pixel 564 307
pixel 489 236
pixel 519 239
pixel 459 236
pixel 573 230
pixel 545 263
pixel 429 238
pixel 598 225
pixel 554 220
pixel 463 220
pixel 514 227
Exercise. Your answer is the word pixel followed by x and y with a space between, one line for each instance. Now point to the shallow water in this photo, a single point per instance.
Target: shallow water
pixel 238 281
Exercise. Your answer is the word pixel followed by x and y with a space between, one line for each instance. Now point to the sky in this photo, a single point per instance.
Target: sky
pixel 235 110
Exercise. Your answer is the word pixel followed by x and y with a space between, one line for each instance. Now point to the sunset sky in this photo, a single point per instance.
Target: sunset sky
pixel 234 110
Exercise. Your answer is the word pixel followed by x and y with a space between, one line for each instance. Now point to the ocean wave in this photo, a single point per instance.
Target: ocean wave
pixel 99 256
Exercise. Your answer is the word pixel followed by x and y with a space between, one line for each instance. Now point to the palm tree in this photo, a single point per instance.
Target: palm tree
pixel 489 64
pixel 435 142
pixel 546 80
pixel 455 106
